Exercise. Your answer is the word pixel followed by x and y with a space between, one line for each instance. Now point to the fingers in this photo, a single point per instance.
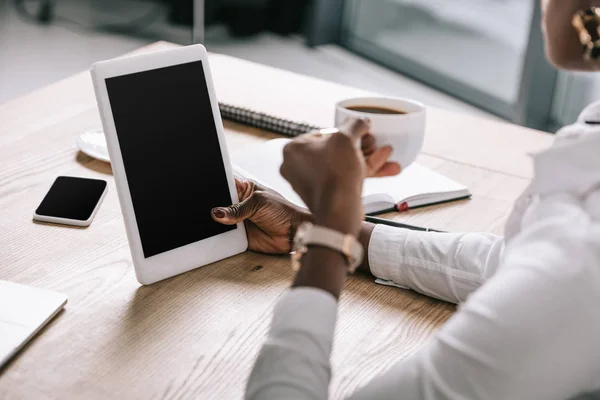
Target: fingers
pixel 378 165
pixel 368 145
pixel 238 212
pixel 239 185
pixel 356 128
pixel 261 242
pixel 321 134
pixel 376 160
pixel 244 189
pixel 388 169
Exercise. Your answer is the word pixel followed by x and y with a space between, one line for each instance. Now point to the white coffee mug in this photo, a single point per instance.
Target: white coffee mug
pixel 404 132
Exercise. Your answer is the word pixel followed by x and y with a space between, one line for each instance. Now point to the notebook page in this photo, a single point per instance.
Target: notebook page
pixel 262 162
pixel 415 180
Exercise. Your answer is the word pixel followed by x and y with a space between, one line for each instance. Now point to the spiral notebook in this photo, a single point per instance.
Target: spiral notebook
pixel 417 186
pixel 264 121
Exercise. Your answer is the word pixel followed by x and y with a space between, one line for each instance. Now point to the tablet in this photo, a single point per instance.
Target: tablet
pixel 169 158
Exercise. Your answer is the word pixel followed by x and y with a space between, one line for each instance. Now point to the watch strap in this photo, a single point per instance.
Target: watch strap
pixel 314 235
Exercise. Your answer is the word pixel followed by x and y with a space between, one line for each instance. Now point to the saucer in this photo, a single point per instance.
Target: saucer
pixel 93 143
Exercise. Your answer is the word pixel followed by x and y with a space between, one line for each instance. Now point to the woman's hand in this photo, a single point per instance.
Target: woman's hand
pixel 376 159
pixel 327 172
pixel 270 219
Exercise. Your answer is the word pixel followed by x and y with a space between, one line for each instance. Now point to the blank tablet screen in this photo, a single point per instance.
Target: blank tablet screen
pixel 72 198
pixel 171 153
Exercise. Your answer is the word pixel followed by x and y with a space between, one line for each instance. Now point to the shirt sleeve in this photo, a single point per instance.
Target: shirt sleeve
pixel 530 332
pixel 447 266
pixel 294 361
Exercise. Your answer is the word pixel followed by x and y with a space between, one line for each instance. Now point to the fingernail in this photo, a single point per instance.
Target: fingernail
pixel 218 212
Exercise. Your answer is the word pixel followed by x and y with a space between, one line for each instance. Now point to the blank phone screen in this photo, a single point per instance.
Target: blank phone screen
pixel 170 148
pixel 72 198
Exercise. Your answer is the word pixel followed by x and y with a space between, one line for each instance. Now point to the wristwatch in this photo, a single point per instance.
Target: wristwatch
pixel 314 235
pixel 587 25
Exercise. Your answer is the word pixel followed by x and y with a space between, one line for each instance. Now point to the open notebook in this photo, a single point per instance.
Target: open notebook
pixel 416 186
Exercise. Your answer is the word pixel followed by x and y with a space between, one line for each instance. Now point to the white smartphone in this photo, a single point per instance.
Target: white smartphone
pixel 71 201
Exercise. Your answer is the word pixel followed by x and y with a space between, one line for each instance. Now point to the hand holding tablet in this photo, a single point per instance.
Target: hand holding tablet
pixel 169 157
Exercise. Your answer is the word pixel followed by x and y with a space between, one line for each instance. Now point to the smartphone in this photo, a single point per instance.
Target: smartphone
pixel 71 201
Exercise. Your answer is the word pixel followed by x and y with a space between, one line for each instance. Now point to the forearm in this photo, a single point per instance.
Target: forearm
pixel 524 335
pixel 294 362
pixel 448 266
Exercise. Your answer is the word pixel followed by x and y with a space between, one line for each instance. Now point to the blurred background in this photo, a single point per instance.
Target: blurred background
pixel 482 57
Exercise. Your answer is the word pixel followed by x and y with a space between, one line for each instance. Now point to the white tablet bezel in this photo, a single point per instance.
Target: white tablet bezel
pixel 188 257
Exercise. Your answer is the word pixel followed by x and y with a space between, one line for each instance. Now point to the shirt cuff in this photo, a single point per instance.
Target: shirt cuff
pixel 385 251
pixel 309 311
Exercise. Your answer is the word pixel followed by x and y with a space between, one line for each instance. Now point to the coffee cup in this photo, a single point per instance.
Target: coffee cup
pixel 396 122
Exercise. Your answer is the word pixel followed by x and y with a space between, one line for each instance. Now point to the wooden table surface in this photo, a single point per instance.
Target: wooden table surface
pixel 197 335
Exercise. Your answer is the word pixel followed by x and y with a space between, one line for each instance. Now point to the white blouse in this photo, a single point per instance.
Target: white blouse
pixel 527 326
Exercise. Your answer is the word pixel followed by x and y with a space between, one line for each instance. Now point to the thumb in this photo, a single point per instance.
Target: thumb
pixel 236 213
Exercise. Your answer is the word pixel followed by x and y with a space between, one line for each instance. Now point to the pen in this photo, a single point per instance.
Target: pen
pixel 387 222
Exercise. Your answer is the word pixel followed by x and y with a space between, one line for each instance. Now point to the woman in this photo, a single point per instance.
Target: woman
pixel 528 327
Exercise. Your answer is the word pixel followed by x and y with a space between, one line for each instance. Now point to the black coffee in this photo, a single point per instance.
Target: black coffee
pixel 375 110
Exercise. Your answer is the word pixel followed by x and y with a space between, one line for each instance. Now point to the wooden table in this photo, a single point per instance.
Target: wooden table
pixel 196 335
